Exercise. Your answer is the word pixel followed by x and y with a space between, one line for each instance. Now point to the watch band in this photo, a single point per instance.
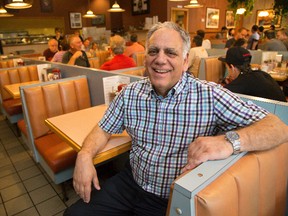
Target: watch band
pixel 234 138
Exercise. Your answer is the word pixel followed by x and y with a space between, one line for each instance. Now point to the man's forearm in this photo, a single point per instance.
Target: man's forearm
pixel 267 133
pixel 95 141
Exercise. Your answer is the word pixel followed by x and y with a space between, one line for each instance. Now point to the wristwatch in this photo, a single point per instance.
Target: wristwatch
pixel 234 138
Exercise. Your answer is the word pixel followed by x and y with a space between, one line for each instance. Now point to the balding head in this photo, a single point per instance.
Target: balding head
pixel 53 45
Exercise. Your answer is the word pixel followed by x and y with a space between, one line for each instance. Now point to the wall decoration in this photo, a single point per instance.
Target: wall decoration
pixel 75 20
pixel 271 19
pixel 140 7
pixel 212 18
pixel 180 16
pixel 230 19
pixel 46 6
pixel 98 20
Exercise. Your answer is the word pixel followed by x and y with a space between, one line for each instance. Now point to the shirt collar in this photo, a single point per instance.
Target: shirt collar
pixel 177 89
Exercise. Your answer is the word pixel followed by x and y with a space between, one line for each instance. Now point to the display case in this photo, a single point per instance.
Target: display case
pixel 22 38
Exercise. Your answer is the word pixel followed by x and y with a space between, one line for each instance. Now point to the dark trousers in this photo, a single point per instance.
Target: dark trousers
pixel 120 195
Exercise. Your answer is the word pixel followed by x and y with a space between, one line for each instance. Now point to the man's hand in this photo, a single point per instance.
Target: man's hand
pixel 84 174
pixel 207 148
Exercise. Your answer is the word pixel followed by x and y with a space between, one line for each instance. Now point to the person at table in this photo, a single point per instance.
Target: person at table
pixel 282 35
pixel 206 43
pixel 51 50
pixel 241 33
pixel 86 47
pixel 134 47
pixel 231 33
pixel 272 43
pixel 254 38
pixel 58 37
pixel 195 54
pixel 75 56
pixel 222 34
pixel 64 47
pixel 94 49
pixel 176 122
pixel 119 60
pixel 241 79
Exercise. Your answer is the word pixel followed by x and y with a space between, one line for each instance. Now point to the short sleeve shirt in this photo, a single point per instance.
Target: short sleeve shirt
pixel 162 128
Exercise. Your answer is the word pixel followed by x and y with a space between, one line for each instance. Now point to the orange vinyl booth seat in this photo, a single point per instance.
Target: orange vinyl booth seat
pixel 12 107
pixel 6 63
pixel 245 184
pixel 49 99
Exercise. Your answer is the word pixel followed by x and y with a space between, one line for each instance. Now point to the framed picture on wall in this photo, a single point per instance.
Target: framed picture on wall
pixel 230 19
pixel 212 18
pixel 98 20
pixel 140 7
pixel 75 20
pixel 271 19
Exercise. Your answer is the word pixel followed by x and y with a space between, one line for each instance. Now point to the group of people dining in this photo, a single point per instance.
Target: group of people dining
pixel 77 51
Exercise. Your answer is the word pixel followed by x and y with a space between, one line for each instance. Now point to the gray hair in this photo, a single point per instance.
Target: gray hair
pixel 171 25
pixel 117 44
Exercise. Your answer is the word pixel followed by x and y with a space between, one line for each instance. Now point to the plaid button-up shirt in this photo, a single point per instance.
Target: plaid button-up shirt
pixel 162 128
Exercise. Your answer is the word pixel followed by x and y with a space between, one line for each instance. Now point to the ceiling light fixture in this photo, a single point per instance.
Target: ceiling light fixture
pixel 263 14
pixel 193 4
pixel 4 13
pixel 116 8
pixel 240 11
pixel 89 13
pixel 18 4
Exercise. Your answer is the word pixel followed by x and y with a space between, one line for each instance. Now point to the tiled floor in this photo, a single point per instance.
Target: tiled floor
pixel 25 189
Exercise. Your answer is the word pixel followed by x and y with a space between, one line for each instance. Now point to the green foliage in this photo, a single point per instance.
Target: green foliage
pixel 247 4
pixel 281 7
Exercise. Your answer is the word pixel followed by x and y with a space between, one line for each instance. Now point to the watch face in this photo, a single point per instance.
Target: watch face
pixel 231 135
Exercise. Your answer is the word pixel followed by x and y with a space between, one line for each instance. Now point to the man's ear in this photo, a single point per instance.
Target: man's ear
pixel 186 63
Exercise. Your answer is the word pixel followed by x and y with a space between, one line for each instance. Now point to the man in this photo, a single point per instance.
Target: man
pixel 75 56
pixel 51 50
pixel 282 35
pixel 245 81
pixel 173 120
pixel 134 47
pixel 119 60
pixel 195 54
pixel 271 43
pixel 254 38
pixel 241 33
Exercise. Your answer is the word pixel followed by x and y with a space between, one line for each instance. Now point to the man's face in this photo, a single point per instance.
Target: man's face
pixel 281 36
pixel 243 34
pixel 164 60
pixel 76 44
pixel 53 46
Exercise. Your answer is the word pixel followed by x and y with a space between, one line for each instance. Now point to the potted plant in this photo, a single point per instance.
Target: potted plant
pixel 280 7
pixel 247 4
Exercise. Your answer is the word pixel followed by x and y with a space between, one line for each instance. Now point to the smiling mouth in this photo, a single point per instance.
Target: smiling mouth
pixel 162 71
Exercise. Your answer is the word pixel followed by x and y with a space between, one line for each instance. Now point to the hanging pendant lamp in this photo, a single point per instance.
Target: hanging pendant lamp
pixel 4 13
pixel 116 8
pixel 89 13
pixel 193 4
pixel 18 4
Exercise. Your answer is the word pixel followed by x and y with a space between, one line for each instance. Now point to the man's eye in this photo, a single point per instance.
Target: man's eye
pixel 152 52
pixel 171 53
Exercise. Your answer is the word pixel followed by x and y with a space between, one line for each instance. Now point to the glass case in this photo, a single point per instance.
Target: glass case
pixel 22 38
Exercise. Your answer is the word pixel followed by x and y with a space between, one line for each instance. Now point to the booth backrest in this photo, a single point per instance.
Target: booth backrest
pixel 52 99
pixel 255 185
pixel 6 63
pixel 137 71
pixel 102 56
pixel 94 63
pixel 214 69
pixel 16 75
pixel 139 58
